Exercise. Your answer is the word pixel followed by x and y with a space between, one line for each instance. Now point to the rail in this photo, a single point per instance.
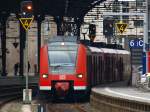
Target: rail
pixel 12 88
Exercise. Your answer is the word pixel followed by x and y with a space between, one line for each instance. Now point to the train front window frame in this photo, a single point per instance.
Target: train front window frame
pixel 62 61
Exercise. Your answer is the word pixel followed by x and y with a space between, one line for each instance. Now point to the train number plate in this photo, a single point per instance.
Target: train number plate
pixel 62 77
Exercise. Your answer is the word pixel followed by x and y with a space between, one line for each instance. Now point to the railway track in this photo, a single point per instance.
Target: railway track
pixel 63 106
pixel 7 100
pixel 12 92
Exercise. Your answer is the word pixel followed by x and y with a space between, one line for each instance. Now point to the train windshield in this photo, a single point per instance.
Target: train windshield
pixel 62 61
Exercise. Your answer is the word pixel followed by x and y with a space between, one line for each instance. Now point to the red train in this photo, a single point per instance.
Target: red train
pixel 70 67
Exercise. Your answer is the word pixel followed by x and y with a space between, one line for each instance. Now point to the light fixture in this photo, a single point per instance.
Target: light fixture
pixel 29 7
pixel 79 75
pixel 45 75
pixel 62 43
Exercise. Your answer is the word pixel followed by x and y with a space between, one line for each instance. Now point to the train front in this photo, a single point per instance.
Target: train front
pixel 63 68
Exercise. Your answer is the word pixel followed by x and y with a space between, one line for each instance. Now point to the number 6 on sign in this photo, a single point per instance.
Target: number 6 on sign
pixel 131 43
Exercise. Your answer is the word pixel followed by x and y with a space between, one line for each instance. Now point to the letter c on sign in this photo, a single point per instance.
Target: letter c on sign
pixel 140 43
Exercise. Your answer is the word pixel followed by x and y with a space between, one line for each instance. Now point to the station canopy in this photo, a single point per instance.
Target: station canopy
pixel 69 8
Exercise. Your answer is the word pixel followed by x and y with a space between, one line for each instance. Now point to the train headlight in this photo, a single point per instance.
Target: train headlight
pixel 79 75
pixel 45 75
pixel 62 43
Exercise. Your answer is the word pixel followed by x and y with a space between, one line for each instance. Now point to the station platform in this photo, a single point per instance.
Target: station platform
pixel 118 97
pixel 122 91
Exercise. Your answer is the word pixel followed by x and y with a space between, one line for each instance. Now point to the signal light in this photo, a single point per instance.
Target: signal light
pixel 92 29
pixel 92 32
pixel 108 27
pixel 27 7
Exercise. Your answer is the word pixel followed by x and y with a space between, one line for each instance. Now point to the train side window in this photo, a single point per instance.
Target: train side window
pixel 91 69
pixel 103 68
pixel 98 69
pixel 100 66
pixel 95 70
pixel 113 66
pixel 108 75
pixel 106 68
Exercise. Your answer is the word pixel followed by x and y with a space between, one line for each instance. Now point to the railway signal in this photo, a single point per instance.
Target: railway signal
pixel 92 32
pixel 26 8
pixel 108 27
pixel 26 20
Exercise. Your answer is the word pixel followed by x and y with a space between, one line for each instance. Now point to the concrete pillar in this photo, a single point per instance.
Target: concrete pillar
pixel 22 47
pixel 59 22
pixel 78 22
pixel 39 19
pixel 3 19
pixel 22 35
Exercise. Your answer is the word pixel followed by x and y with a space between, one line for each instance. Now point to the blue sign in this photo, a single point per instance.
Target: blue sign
pixel 144 63
pixel 136 43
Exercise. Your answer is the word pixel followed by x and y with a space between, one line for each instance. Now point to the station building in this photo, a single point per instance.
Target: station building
pixel 94 16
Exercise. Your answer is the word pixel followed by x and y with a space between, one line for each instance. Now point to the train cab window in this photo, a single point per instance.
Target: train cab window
pixel 62 61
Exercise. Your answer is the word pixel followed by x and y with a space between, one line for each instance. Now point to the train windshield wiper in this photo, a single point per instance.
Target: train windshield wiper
pixel 62 65
pixel 67 64
pixel 56 65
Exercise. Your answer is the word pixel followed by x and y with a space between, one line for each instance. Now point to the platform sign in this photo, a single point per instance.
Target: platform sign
pixel 26 22
pixel 121 26
pixel 136 43
pixel 144 63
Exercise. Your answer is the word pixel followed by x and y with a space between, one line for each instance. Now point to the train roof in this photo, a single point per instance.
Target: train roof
pixel 106 50
pixel 63 39
pixel 93 46
pixel 101 44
